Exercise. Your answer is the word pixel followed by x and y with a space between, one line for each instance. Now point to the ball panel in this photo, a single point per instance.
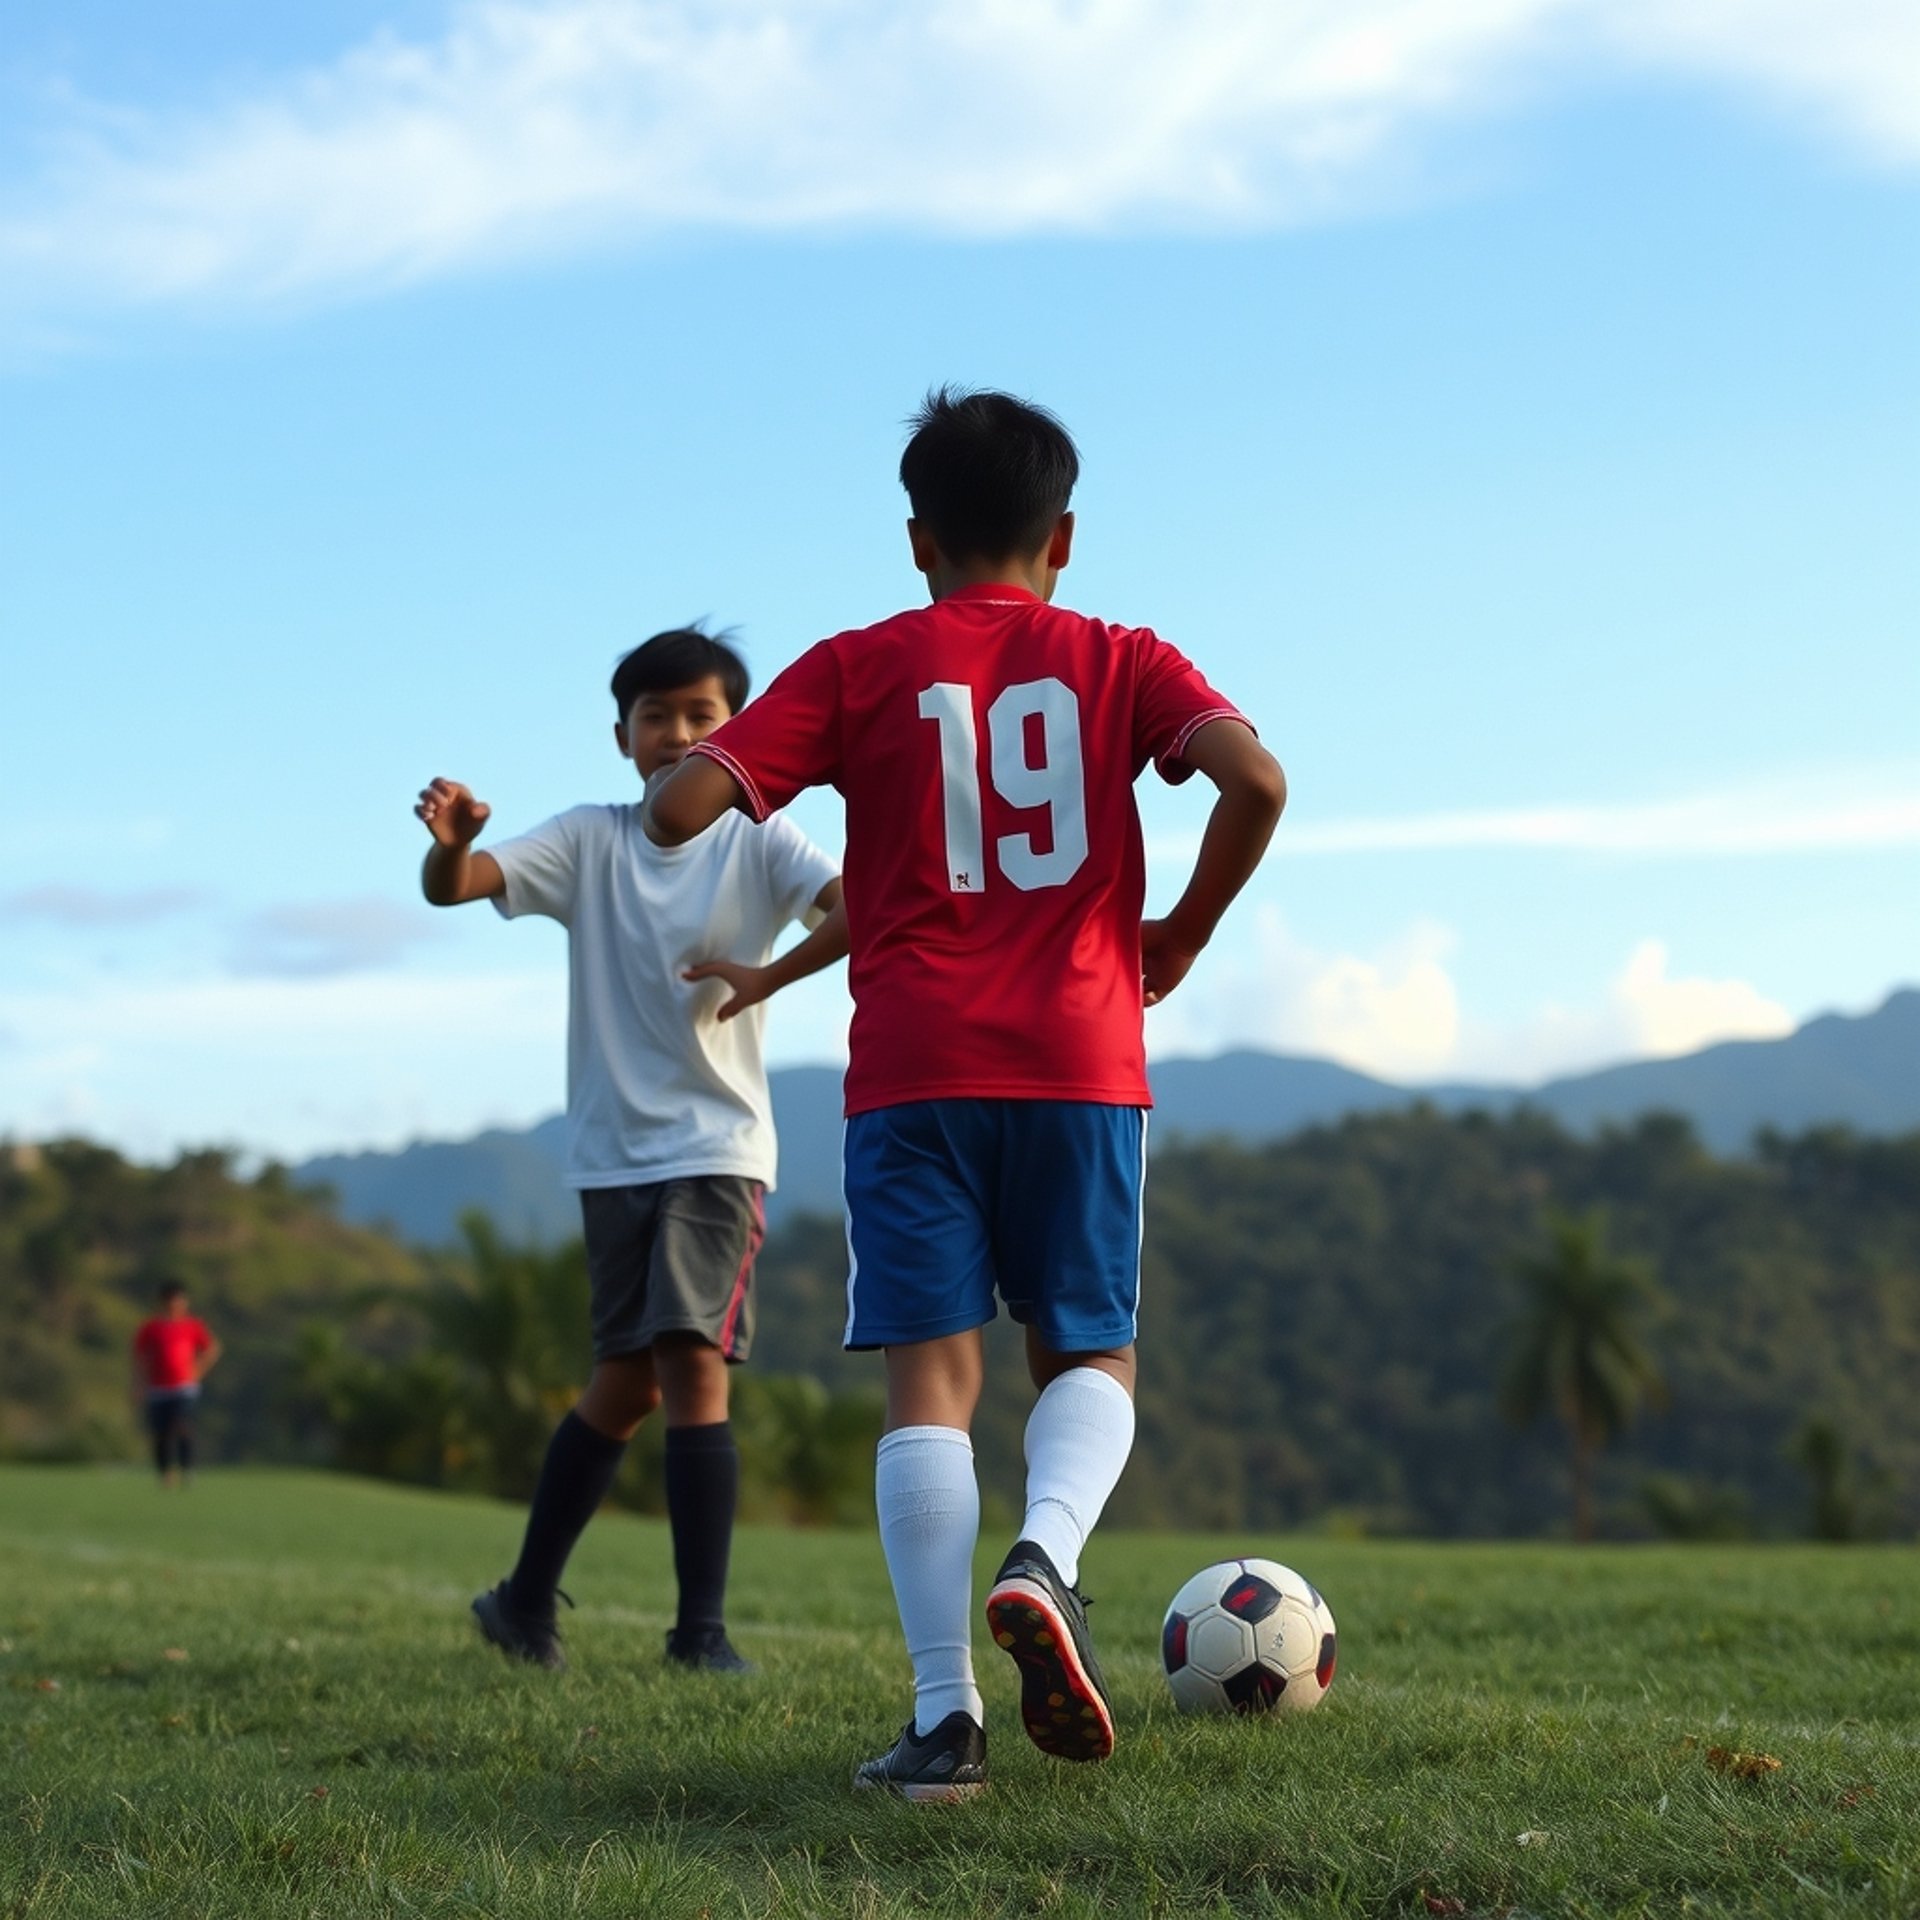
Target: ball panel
pixel 1205 1588
pixel 1173 1643
pixel 1196 1692
pixel 1290 1640
pixel 1218 1644
pixel 1250 1598
pixel 1254 1689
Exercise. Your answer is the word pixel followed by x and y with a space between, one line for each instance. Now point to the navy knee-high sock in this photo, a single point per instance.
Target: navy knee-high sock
pixel 703 1483
pixel 576 1476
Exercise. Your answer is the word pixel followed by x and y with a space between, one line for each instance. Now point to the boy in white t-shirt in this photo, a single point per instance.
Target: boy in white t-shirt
pixel 669 1125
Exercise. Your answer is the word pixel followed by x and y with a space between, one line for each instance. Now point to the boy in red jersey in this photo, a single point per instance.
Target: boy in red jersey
pixel 172 1353
pixel 987 747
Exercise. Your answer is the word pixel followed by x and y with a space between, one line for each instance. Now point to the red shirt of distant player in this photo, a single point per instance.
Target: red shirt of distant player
pixel 168 1345
pixel 987 746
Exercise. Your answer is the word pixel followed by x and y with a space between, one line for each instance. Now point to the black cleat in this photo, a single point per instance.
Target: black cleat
pixel 950 1763
pixel 1042 1623
pixel 706 1651
pixel 520 1636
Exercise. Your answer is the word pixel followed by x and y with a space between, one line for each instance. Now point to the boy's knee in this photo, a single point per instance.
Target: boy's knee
pixel 1045 1365
pixel 621 1394
pixel 693 1380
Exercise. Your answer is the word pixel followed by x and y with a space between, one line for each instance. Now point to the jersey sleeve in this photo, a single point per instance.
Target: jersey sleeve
pixel 143 1340
pixel 1172 701
pixel 202 1339
pixel 788 739
pixel 542 868
pixel 796 868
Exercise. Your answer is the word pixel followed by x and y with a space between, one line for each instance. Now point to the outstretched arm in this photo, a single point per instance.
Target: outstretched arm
pixel 820 949
pixel 689 800
pixel 454 873
pixel 1253 790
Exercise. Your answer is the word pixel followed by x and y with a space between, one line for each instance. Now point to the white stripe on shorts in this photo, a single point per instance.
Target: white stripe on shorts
pixel 846 1214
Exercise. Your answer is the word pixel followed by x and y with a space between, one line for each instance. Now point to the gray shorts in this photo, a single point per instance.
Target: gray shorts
pixel 673 1257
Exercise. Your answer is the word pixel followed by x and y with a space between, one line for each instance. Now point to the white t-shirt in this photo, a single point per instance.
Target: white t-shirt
pixel 657 1088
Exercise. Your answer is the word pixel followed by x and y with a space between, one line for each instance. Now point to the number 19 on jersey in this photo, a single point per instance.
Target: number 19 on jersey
pixel 1058 782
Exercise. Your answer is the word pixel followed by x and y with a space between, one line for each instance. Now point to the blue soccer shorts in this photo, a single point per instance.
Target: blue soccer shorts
pixel 949 1201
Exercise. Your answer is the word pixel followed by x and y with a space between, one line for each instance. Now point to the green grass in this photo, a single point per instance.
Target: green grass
pixel 336 1743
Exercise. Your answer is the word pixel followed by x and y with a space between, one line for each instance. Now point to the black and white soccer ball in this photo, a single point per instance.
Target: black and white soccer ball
pixel 1248 1636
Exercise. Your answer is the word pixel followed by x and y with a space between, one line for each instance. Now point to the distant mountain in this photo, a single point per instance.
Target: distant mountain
pixel 1857 1071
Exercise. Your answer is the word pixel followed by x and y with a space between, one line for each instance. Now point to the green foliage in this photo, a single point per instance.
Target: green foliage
pixel 1683 1509
pixel 336 1742
pixel 1324 1327
pixel 86 1238
pixel 1850 1501
pixel 1576 1346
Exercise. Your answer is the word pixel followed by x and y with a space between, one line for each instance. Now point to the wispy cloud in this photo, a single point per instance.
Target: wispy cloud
pixel 94 907
pixel 1759 823
pixel 526 128
pixel 283 1066
pixel 329 937
pixel 1861 812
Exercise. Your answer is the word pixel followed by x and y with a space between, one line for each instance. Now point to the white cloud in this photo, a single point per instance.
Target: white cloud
pixel 96 907
pixel 1665 1016
pixel 1855 811
pixel 1397 1012
pixel 529 127
pixel 1644 1013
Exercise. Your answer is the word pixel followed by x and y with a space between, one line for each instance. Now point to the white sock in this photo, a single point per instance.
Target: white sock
pixel 1078 1438
pixel 929 1505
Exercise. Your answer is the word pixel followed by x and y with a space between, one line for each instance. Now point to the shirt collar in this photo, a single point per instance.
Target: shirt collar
pixel 988 591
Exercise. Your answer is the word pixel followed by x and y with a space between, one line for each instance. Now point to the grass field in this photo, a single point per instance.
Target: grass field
pixel 264 1698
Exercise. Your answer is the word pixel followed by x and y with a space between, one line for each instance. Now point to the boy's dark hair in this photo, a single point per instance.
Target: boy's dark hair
pixel 988 475
pixel 676 659
pixel 172 1290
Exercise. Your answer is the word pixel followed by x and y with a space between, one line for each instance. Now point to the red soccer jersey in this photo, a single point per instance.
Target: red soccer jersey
pixel 987 747
pixel 169 1347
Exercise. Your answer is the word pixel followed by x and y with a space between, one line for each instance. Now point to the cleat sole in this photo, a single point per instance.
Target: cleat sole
pixel 1023 1621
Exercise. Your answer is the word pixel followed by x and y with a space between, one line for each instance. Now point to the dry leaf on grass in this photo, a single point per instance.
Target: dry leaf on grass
pixel 1442 1902
pixel 174 1653
pixel 1743 1766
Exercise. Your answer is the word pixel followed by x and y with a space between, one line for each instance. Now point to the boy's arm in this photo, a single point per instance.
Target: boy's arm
pixel 209 1357
pixel 454 873
pixel 1253 790
pixel 820 949
pixel 691 798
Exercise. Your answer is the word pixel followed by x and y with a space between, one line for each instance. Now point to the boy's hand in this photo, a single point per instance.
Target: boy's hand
pixel 453 816
pixel 750 985
pixel 1164 960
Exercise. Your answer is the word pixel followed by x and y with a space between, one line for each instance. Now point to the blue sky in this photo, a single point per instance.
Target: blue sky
pixel 1514 405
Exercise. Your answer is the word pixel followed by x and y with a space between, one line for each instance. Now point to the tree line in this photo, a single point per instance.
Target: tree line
pixel 1406 1323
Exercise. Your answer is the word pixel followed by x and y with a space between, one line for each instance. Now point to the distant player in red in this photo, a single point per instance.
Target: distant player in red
pixel 987 747
pixel 172 1353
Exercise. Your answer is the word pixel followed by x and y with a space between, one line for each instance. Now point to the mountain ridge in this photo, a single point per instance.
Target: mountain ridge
pixel 1855 1070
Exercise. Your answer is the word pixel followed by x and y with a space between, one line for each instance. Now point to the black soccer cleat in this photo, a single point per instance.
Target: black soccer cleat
pixel 706 1651
pixel 950 1763
pixel 1042 1623
pixel 519 1635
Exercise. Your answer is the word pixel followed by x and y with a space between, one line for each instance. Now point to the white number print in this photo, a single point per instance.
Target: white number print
pixel 1057 783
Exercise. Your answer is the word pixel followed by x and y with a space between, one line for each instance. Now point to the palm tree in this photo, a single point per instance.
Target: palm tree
pixel 1577 1351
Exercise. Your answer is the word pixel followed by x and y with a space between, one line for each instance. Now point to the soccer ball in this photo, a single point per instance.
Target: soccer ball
pixel 1248 1636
